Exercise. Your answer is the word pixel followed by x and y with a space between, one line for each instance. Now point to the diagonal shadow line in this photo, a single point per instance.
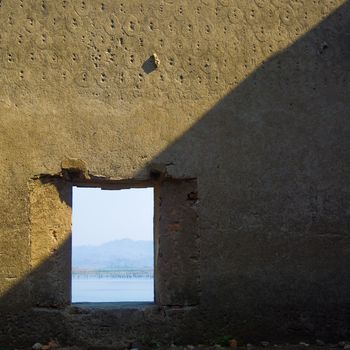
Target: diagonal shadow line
pixel 272 161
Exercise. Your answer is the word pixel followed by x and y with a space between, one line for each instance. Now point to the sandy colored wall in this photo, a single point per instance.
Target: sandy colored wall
pixel 250 98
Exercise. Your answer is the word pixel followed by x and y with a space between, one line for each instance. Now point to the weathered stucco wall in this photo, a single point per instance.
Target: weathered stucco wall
pixel 250 99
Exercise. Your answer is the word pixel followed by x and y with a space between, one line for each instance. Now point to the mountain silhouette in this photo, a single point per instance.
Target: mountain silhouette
pixel 124 253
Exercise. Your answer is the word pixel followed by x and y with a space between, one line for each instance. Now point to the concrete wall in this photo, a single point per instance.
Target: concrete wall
pixel 250 99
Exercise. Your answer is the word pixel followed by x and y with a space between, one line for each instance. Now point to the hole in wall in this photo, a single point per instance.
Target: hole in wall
pixel 112 245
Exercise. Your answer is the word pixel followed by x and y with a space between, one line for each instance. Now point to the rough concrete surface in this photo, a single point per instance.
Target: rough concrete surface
pixel 248 99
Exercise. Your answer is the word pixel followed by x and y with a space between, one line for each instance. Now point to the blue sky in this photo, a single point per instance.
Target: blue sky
pixel 100 216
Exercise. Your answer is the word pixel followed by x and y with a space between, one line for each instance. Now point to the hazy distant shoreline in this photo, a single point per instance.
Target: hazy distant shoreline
pixel 115 256
pixel 113 274
pixel 120 270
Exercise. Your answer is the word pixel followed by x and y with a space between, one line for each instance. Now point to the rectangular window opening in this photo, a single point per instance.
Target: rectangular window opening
pixel 112 245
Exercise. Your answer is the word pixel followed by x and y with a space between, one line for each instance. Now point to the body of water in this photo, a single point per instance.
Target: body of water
pixel 112 290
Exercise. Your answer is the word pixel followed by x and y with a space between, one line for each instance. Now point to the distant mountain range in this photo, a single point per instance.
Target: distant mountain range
pixel 124 253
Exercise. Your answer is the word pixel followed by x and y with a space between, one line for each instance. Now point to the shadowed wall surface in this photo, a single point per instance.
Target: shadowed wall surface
pixel 250 98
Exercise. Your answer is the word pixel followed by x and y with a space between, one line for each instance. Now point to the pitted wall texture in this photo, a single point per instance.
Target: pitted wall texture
pixel 95 50
pixel 250 98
